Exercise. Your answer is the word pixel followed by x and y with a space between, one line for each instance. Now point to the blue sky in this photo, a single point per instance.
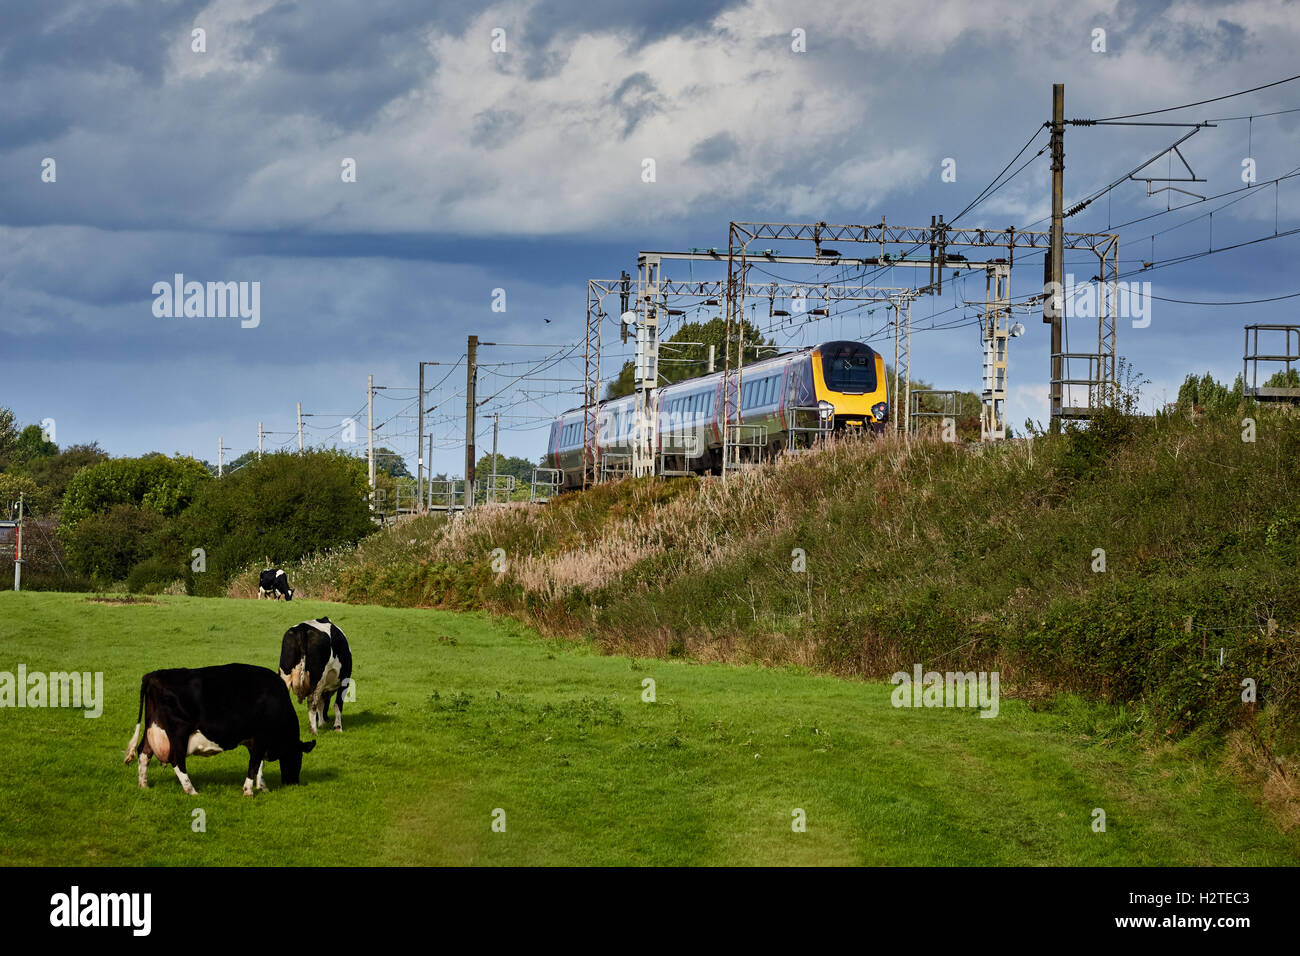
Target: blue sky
pixel 521 170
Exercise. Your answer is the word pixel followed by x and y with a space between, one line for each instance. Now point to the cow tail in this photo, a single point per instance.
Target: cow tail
pixel 135 737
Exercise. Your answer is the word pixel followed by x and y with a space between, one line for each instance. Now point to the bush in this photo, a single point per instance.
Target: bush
pixel 277 509
pixel 157 483
pixel 54 472
pixel 36 502
pixel 1088 449
pixel 106 546
pixel 153 575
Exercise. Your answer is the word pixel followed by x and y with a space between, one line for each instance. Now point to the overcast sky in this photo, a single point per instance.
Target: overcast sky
pixel 479 169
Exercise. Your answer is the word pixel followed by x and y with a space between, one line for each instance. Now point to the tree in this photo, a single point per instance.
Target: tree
pixel 165 485
pixel 230 467
pixel 1208 395
pixel 391 463
pixel 35 500
pixel 278 509
pixel 8 434
pixel 30 445
pixel 53 473
pixel 521 468
pixel 679 362
pixel 107 544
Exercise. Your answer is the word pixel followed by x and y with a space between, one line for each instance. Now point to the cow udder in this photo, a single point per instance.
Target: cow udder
pixel 158 742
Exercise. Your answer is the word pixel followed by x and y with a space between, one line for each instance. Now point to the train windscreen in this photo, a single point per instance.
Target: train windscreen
pixel 849 367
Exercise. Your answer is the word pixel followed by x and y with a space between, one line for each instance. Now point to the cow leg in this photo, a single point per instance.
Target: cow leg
pixel 338 708
pixel 254 768
pixel 179 747
pixel 130 747
pixel 145 754
pixel 261 784
pixel 313 710
pixel 184 778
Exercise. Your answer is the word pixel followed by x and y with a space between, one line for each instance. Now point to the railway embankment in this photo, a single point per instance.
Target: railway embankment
pixel 1149 562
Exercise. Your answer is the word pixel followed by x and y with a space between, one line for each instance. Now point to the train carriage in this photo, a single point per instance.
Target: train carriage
pixel 775 403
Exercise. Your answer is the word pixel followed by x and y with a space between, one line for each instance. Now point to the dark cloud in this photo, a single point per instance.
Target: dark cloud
pixel 636 98
pixel 83 38
pixel 716 149
pixel 642 23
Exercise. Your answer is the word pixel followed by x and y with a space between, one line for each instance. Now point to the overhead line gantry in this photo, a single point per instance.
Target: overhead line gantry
pixel 936 239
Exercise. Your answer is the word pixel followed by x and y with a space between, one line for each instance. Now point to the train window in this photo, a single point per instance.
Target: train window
pixel 849 367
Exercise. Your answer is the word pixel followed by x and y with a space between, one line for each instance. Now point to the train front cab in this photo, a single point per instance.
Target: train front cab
pixel 849 378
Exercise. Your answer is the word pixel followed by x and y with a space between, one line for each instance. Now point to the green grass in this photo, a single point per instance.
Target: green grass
pixel 460 714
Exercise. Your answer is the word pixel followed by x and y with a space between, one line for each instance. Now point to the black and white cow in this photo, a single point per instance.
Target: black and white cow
pixel 274 584
pixel 206 710
pixel 315 662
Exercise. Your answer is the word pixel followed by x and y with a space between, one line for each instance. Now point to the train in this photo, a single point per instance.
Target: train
pixel 784 402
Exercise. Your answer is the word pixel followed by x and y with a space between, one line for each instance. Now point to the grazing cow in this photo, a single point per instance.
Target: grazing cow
pixel 315 662
pixel 205 710
pixel 274 584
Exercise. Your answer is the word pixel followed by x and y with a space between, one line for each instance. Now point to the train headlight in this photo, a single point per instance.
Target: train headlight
pixel 825 411
pixel 880 412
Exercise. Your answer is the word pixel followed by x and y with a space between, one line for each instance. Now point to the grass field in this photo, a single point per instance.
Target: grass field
pixel 458 715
